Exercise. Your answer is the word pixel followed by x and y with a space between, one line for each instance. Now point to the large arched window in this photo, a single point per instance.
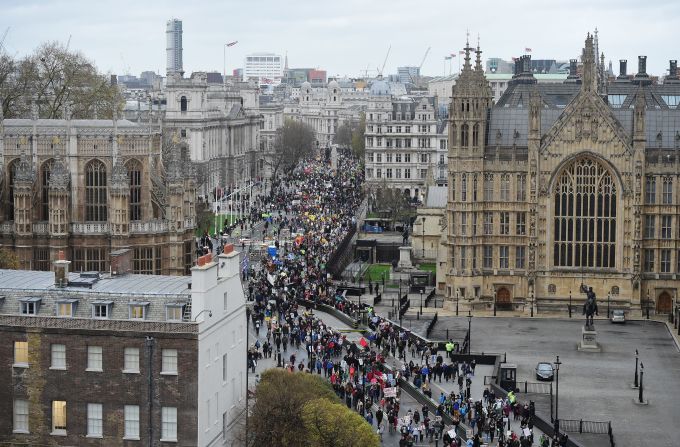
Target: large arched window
pixel 585 216
pixel 95 192
pixel 134 170
pixel 45 171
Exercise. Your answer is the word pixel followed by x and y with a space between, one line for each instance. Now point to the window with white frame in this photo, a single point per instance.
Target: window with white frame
pixel 407 173
pixel 131 421
pixel 397 157
pixel 169 365
pixel 378 173
pixel 397 173
pixel 665 261
pixel 666 225
pixel 131 360
pixel 407 158
pixel 505 187
pixel 30 306
pixel 94 358
pixel 378 158
pixel 173 312
pixel 488 222
pixel 667 193
pixel 101 309
pixel 521 223
pixel 504 257
pixel 58 356
pixel 488 257
pixel 388 158
pixel 168 423
pixel 138 311
pixel 65 308
pixel 504 222
pixel 59 417
pixel 21 353
pixel 20 416
pixel 94 421
pixel 520 255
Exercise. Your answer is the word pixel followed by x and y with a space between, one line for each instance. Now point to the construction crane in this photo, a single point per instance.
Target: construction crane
pixel 380 71
pixel 126 67
pixel 416 82
pixel 2 39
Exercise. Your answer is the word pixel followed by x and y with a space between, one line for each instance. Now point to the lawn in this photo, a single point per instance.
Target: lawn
pixel 375 272
pixel 428 267
pixel 221 218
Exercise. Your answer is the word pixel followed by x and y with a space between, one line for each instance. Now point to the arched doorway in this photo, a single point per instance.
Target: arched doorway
pixel 664 303
pixel 503 299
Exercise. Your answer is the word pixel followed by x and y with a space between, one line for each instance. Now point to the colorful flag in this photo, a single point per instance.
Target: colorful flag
pixel 453 54
pixel 231 44
pixel 448 58
pixel 461 52
pixel 528 50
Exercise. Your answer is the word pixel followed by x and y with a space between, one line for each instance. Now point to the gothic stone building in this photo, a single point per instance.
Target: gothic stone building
pixel 90 187
pixel 559 185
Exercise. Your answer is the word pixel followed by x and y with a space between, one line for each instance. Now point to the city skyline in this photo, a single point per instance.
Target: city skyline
pixel 343 41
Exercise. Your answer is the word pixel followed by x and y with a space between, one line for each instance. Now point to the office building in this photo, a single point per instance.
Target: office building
pixel 266 68
pixel 173 46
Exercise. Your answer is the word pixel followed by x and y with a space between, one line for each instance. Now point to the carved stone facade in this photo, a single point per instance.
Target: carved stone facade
pixel 89 187
pixel 561 185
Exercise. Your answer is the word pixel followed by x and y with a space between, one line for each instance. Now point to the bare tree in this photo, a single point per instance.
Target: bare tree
pixel 54 76
pixel 294 141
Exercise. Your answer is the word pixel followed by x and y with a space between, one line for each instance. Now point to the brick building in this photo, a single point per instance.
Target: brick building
pixel 122 359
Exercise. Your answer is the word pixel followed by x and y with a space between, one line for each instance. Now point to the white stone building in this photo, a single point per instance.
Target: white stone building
pixel 406 142
pixel 219 129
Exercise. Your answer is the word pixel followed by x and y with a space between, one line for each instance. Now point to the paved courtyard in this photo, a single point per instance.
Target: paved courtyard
pixel 593 386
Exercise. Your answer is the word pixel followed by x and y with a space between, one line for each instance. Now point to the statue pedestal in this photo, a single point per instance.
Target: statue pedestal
pixel 589 340
pixel 405 258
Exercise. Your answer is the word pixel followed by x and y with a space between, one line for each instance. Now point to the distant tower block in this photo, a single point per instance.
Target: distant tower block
pixel 173 33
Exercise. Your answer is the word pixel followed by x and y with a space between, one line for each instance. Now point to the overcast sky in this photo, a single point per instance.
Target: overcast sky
pixel 343 37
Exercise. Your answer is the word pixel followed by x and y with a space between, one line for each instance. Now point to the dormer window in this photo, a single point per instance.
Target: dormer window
pixel 66 308
pixel 174 311
pixel 101 309
pixel 30 306
pixel 138 310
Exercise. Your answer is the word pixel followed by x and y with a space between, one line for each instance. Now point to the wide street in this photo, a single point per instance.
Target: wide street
pixel 593 386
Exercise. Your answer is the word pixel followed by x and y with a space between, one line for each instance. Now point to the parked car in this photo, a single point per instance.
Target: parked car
pixel 618 316
pixel 544 371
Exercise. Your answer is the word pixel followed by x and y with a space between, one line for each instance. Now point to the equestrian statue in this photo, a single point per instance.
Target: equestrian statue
pixel 590 306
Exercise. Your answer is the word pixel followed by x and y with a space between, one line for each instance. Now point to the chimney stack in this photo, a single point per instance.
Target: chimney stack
pixel 518 66
pixel 623 65
pixel 61 270
pixel 672 69
pixel 642 66
pixel 573 72
pixel 641 77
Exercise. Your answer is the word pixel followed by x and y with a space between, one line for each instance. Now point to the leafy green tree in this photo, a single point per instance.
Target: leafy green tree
pixel 8 259
pixel 332 424
pixel 276 418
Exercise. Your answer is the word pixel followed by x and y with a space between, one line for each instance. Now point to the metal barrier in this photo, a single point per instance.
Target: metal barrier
pixel 430 325
pixel 429 298
pixel 488 380
pixel 581 426
pixel 404 308
pixel 534 387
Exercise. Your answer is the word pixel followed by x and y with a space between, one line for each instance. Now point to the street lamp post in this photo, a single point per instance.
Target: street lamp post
pixel 609 295
pixel 456 302
pixel 557 395
pixel 532 303
pixel 423 238
pixel 635 383
pixel 570 304
pixel 421 301
pixel 647 305
pixel 494 301
pixel 469 331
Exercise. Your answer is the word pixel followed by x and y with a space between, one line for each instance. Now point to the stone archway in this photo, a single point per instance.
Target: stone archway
pixel 664 303
pixel 503 299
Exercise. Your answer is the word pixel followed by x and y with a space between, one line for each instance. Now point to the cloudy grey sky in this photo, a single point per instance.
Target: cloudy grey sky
pixel 343 37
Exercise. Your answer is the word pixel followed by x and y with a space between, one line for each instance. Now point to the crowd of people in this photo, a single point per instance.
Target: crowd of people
pixel 315 209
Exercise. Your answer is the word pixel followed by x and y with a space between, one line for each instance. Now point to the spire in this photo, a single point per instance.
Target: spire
pixel 478 62
pixel 24 170
pixel 589 66
pixel 285 66
pixel 59 176
pixel 466 65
